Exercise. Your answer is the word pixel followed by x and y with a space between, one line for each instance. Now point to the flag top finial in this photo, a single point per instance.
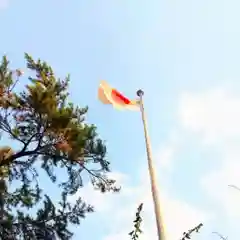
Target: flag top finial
pixel 140 93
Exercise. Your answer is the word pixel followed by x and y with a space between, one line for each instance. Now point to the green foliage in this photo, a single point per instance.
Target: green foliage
pixel 188 235
pixel 53 136
pixel 137 224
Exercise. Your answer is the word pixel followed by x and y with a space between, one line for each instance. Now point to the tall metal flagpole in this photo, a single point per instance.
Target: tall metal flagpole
pixel 159 221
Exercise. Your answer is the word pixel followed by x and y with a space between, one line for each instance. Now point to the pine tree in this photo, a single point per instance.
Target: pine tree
pixel 53 135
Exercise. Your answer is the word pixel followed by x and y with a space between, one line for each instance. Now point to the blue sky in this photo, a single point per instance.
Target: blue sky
pixel 185 55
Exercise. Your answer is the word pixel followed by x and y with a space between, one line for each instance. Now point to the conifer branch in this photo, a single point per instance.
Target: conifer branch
pixel 188 235
pixel 52 134
pixel 137 224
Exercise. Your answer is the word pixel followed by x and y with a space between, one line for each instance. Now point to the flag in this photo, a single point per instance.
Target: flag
pixel 109 95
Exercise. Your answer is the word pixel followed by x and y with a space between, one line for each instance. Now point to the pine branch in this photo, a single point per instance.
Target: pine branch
pixel 188 235
pixel 53 135
pixel 137 224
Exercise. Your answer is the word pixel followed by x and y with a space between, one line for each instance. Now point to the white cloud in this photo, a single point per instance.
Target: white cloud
pixel 120 209
pixel 217 184
pixel 178 215
pixel 4 4
pixel 215 115
pixel 164 156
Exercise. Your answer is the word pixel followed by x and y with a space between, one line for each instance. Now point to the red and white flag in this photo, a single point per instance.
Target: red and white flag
pixel 109 95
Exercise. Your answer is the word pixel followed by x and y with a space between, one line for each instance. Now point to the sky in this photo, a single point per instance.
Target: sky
pixel 185 55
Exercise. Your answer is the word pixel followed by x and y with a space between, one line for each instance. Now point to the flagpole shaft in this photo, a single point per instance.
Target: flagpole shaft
pixel 153 180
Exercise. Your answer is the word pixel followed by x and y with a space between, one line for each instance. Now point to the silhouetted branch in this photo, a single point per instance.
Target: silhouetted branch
pixel 234 186
pixel 220 236
pixel 188 235
pixel 137 224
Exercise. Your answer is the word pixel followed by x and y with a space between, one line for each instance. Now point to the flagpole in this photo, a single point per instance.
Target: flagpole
pixel 156 202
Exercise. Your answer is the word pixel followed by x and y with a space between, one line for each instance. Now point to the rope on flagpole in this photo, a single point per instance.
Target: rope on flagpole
pixel 156 202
